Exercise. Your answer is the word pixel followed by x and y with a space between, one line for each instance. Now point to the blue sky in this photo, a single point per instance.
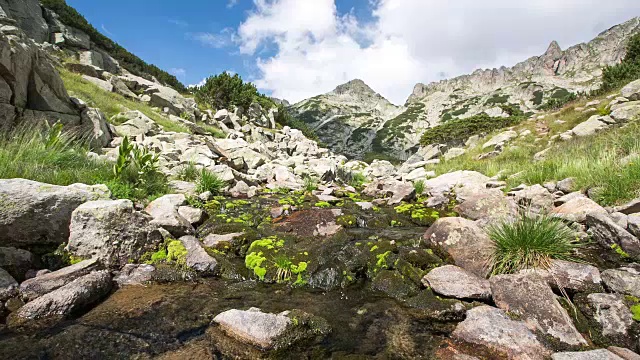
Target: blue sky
pixel 295 49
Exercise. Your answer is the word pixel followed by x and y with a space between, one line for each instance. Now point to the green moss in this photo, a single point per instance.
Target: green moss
pixel 269 243
pixel 619 251
pixel 253 261
pixel 322 204
pixel 74 259
pixel 381 260
pixel 635 310
pixel 347 221
pixel 176 252
pixel 159 256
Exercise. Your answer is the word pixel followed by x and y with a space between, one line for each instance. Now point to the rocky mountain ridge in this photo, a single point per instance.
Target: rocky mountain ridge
pixel 347 118
pixel 526 85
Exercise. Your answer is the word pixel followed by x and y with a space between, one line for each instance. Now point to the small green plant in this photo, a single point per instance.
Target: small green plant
pixel 531 241
pixel 185 115
pixel 310 184
pixel 604 110
pixel 322 204
pixel 208 181
pixel 188 172
pixel 419 186
pixel 283 265
pixel 124 157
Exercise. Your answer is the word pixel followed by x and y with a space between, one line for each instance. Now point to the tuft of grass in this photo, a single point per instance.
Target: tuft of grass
pixel 52 156
pixel 419 187
pixel 530 242
pixel 310 184
pixel 188 172
pixel 111 103
pixel 208 181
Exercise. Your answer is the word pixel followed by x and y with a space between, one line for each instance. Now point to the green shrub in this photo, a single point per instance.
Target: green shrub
pixel 531 241
pixel 69 16
pixel 208 181
pixel 628 70
pixel 555 103
pixel 284 118
pixel 459 130
pixel 224 91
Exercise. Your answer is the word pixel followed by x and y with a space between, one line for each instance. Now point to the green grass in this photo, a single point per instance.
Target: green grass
pixel 56 158
pixel 595 161
pixel 419 186
pixel 208 181
pixel 188 172
pixel 111 103
pixel 530 242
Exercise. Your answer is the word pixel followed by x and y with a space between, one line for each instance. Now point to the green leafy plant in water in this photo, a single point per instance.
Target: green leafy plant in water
pixel 530 242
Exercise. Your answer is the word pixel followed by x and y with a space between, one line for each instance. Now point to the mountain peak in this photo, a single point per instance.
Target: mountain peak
pixel 553 50
pixel 354 86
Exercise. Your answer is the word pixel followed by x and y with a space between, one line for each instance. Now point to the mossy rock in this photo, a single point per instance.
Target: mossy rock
pixel 394 284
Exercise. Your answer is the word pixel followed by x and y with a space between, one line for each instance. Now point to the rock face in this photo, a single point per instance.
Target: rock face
pixel 489 327
pixel 28 15
pixel 453 281
pixel 577 209
pixel 111 231
pixel 610 311
pixel 40 285
pixel 8 286
pixel 63 302
pixel 33 213
pixel 531 298
pixel 464 241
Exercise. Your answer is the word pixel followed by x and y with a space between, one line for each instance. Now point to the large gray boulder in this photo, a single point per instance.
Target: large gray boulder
pixel 28 15
pixel 631 91
pixel 611 235
pixel 197 257
pixel 625 280
pixel 590 127
pixel 40 285
pixel 531 298
pixel 627 112
pixel 164 211
pixel 454 281
pixel 570 275
pixel 64 35
pixel 16 261
pixel 34 213
pixel 464 241
pixel 63 302
pixel 535 198
pixel 253 326
pixel 611 312
pixel 8 286
pixel 488 206
pixel 112 231
pixel 577 208
pixel 96 127
pixel 490 327
pixel 136 123
pixel 135 274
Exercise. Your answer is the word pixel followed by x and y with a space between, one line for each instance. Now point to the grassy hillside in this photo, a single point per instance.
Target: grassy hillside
pixel 69 16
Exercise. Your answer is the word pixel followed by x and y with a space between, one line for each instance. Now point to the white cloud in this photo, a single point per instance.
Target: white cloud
pixel 222 39
pixel 409 41
pixel 105 30
pixel 178 72
pixel 232 3
pixel 201 83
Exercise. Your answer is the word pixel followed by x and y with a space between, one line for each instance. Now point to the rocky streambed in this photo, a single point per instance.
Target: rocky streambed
pixel 329 273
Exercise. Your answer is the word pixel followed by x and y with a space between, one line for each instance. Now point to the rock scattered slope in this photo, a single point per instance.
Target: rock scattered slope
pixel 347 118
pixel 527 85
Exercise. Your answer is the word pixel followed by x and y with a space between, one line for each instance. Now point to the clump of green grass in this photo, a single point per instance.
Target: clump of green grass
pixel 111 103
pixel 310 184
pixel 49 156
pixel 208 181
pixel 419 187
pixel 52 156
pixel 530 242
pixel 188 172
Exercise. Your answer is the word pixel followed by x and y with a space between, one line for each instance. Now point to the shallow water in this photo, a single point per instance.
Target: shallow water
pixel 173 320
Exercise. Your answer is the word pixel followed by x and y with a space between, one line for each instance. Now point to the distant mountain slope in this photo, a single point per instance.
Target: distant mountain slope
pixel 348 118
pixel 528 85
